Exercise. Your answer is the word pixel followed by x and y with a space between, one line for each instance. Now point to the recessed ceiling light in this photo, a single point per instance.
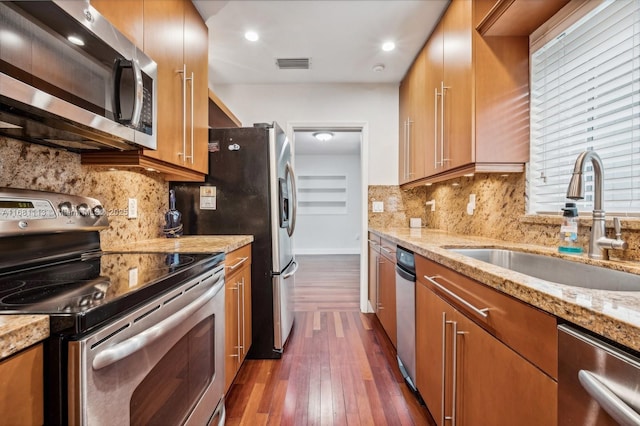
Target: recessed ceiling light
pixel 251 36
pixel 76 40
pixel 378 67
pixel 388 46
pixel 323 136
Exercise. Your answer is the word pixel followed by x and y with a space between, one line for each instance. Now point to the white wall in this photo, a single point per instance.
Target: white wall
pixel 331 233
pixel 375 104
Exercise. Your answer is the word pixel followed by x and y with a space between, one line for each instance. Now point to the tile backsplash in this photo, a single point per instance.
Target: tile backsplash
pixel 35 167
pixel 500 212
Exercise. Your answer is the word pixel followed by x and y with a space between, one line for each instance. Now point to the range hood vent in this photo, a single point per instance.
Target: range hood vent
pixel 293 63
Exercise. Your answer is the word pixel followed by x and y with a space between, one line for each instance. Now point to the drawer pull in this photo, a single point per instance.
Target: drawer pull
pixel 483 312
pixel 386 249
pixel 240 262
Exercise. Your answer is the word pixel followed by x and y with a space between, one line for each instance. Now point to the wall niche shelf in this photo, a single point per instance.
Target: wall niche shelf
pixel 322 194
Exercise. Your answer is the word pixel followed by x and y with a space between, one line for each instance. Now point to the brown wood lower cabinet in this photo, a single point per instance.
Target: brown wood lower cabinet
pixel 237 310
pixel 21 387
pixel 464 372
pixel 382 283
pixel 387 290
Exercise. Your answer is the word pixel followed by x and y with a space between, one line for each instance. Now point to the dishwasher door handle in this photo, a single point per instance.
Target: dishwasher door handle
pixel 608 400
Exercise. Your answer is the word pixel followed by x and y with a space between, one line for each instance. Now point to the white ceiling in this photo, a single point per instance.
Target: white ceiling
pixel 342 143
pixel 341 37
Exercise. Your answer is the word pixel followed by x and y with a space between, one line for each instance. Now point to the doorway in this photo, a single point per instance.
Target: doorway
pixel 330 160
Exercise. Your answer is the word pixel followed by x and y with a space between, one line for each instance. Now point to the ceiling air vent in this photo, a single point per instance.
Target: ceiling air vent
pixel 293 63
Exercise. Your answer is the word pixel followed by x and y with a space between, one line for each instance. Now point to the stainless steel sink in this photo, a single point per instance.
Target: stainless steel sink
pixel 555 269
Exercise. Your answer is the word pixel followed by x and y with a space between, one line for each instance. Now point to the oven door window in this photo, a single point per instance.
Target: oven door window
pixel 170 391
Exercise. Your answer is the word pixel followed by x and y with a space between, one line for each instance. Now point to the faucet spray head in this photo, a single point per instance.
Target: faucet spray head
pixel 575 191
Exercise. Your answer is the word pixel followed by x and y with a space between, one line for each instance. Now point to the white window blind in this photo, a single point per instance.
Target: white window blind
pixel 585 94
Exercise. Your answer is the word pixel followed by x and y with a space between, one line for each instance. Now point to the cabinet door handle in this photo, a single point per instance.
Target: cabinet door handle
pixel 483 312
pixel 608 400
pixel 238 263
pixel 193 82
pixel 445 322
pixel 435 129
pixel 442 123
pixel 240 342
pixel 409 172
pixel 244 337
pixel 183 75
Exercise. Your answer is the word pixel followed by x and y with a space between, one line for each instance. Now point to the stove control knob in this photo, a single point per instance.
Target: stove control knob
pixel 84 210
pixel 98 210
pixel 65 208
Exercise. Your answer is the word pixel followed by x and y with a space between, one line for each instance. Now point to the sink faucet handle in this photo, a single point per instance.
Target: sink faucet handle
pixel 618 243
pixel 617 228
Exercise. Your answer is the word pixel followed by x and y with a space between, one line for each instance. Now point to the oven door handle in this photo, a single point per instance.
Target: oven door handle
pixel 139 341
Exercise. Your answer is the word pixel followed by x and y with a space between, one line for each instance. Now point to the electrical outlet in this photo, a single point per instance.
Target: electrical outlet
pixel 377 206
pixel 132 211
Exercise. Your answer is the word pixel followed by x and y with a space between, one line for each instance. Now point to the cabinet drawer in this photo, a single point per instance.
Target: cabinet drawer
pixel 237 260
pixel 374 240
pixel 527 330
pixel 388 249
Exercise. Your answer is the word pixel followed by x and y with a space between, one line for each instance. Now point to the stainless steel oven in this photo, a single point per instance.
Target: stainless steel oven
pixel 135 338
pixel 161 364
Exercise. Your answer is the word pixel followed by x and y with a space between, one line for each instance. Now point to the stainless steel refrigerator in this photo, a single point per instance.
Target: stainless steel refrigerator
pixel 250 189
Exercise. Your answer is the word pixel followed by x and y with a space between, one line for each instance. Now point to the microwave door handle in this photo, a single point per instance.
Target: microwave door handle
pixel 133 344
pixel 136 115
pixel 117 78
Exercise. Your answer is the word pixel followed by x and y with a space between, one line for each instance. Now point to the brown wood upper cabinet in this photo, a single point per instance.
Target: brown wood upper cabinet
pixel 475 100
pixel 175 36
pixel 412 121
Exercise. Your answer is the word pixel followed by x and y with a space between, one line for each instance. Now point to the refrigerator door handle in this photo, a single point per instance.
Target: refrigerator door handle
pixel 294 195
pixel 292 273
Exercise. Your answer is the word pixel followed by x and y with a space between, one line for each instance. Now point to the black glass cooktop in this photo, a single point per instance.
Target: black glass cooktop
pixel 81 293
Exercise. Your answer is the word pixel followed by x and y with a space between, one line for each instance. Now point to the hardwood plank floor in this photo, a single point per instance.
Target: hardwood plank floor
pixel 327 283
pixel 338 367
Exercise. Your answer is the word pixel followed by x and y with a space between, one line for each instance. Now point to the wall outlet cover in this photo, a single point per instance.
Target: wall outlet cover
pixel 377 206
pixel 132 211
pixel 415 222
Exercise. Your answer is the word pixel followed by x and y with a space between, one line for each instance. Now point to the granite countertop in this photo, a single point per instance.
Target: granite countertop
pixel 612 314
pixel 18 332
pixel 188 244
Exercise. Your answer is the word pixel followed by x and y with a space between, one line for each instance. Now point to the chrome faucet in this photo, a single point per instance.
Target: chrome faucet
pixel 598 242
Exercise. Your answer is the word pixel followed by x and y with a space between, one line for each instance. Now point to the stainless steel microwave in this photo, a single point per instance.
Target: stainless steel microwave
pixel 70 79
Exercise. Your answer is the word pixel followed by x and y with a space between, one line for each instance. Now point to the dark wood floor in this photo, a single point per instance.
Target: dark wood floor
pixel 338 367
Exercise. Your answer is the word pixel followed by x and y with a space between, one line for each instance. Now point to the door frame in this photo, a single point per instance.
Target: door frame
pixel 363 126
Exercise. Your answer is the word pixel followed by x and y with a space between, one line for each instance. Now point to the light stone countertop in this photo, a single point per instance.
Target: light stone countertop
pixel 613 314
pixel 18 332
pixel 187 244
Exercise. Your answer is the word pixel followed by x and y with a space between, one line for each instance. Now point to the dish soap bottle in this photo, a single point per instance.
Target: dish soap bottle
pixel 569 230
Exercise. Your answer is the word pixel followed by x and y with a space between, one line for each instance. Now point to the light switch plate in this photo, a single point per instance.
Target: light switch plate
pixel 377 206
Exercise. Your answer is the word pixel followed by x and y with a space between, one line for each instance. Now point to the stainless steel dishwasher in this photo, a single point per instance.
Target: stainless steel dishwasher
pixel 598 384
pixel 406 314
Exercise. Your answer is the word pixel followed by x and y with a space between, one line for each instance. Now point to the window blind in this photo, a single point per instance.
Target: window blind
pixel 585 94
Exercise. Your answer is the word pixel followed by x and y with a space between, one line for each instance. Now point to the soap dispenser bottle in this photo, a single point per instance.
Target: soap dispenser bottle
pixel 569 230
